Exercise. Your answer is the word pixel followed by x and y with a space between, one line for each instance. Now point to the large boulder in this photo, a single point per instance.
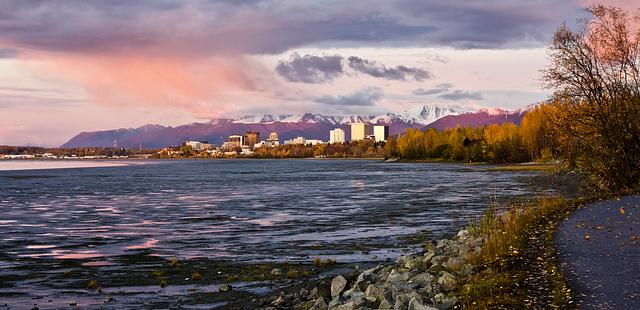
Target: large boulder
pixel 447 281
pixel 337 285
pixel 415 304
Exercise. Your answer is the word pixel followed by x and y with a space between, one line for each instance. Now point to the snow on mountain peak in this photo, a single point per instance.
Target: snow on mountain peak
pixel 427 114
pixel 493 111
pixel 422 115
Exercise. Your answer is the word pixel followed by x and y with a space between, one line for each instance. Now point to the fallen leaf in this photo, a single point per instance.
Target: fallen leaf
pixel 621 210
pixel 586 237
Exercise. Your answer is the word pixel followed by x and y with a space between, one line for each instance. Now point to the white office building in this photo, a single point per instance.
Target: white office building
pixel 336 136
pixel 381 133
pixel 359 131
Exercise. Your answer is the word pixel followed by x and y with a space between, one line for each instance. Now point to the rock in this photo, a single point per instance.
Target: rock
pixel 415 304
pixel 374 292
pixel 438 298
pixel 225 288
pixel 351 304
pixel 334 302
pixel 402 260
pixel 436 267
pixel 447 303
pixel 429 248
pixel 353 293
pixel 337 285
pixel 447 281
pixel 428 256
pixel 320 304
pixel 396 276
pixel 384 305
pixel 421 280
pixel 279 301
pixel 402 301
pixel 453 263
pixel 303 293
pixel 412 264
pixel 313 293
pixel 277 272
pixel 462 235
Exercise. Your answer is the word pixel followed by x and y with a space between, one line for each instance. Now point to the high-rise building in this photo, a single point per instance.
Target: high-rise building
pixel 381 132
pixel 336 136
pixel 360 130
pixel 251 138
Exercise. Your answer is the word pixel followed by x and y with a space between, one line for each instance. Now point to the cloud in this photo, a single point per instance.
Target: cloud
pixel 444 92
pixel 310 69
pixel 440 88
pixel 8 53
pixel 375 69
pixel 367 96
pixel 461 95
pixel 271 27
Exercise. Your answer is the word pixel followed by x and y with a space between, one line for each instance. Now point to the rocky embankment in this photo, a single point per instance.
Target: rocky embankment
pixel 426 280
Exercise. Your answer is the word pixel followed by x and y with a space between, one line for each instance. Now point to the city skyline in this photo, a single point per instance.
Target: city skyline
pixel 82 66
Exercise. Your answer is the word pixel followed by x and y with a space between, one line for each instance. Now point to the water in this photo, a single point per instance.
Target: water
pixel 249 211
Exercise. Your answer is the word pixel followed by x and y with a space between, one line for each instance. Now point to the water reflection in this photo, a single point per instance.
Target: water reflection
pixel 235 210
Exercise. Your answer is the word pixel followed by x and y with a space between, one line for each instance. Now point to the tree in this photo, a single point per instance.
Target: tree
pixel 595 73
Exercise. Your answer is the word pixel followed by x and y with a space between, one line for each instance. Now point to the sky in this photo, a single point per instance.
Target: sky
pixel 73 66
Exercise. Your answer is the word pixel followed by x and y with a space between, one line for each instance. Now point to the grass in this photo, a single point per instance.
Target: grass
pixel 517 266
pixel 526 167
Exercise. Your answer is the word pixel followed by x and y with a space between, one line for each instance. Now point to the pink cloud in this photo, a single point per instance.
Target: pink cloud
pixel 624 4
pixel 198 86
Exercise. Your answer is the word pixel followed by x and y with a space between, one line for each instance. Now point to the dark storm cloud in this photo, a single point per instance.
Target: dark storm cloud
pixel 461 95
pixel 8 53
pixel 375 69
pixel 439 89
pixel 259 27
pixel 310 69
pixel 367 96
pixel 322 69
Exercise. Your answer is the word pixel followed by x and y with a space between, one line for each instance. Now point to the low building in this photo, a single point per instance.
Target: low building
pixel 235 141
pixel 297 140
pixel 336 136
pixel 313 142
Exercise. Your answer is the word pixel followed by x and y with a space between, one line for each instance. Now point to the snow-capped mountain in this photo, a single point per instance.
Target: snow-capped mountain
pixel 422 115
pixel 309 125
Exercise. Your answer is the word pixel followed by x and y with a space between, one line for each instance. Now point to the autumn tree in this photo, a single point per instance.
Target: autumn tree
pixel 595 73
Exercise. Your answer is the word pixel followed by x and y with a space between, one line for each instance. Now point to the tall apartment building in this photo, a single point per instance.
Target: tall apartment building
pixel 336 136
pixel 251 138
pixel 359 131
pixel 381 132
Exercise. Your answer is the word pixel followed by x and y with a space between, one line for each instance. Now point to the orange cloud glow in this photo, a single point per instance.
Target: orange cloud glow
pixel 195 85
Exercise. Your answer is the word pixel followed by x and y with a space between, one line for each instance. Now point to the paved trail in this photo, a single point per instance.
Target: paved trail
pixel 599 251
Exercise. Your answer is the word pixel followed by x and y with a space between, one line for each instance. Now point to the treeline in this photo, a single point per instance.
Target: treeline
pixel 79 152
pixel 532 140
pixel 357 149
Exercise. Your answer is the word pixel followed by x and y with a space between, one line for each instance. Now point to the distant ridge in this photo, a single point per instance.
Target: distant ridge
pixel 309 125
pixel 482 117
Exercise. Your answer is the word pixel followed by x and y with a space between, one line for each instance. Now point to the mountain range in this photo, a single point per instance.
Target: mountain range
pixel 309 125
